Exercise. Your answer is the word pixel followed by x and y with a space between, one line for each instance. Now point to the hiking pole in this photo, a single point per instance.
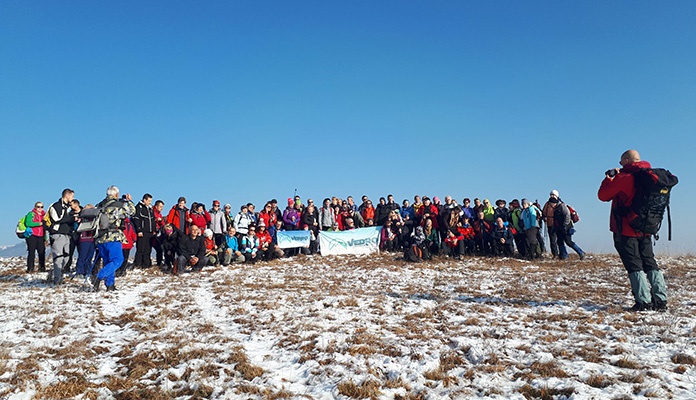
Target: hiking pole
pixel 97 256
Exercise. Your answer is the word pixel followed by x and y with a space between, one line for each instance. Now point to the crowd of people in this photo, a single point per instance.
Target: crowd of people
pixel 192 238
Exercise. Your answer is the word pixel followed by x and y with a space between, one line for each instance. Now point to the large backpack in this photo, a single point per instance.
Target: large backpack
pixel 89 220
pixel 414 253
pixel 22 230
pixel 573 214
pixel 653 188
pixel 98 220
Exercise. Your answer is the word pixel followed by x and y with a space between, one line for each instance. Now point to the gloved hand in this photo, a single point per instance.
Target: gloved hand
pixel 571 231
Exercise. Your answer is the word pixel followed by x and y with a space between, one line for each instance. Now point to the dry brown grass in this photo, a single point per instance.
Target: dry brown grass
pixel 544 393
pixel 70 387
pixel 682 358
pixel 26 371
pixel 590 354
pixel 599 381
pixel 249 371
pixel 625 362
pixel 548 369
pixel 632 378
pixel 368 389
pixel 56 325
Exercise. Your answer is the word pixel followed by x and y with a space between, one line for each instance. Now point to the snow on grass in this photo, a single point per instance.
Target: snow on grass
pixel 350 327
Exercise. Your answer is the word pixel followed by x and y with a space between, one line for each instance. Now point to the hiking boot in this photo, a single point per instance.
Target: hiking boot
pixel 95 282
pixel 111 288
pixel 638 307
pixel 582 255
pixel 660 306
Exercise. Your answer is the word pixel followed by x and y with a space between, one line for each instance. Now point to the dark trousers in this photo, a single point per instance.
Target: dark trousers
pixel 36 244
pixel 636 253
pixel 219 239
pixel 503 249
pixel 553 241
pixel 533 249
pixel 521 243
pixel 122 269
pixel 157 245
pixel 143 251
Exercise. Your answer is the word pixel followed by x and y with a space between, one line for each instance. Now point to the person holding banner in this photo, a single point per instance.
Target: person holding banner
pixel 267 249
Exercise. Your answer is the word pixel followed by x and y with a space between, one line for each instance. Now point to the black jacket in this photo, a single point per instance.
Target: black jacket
pixel 381 214
pixel 170 243
pixel 143 219
pixel 63 220
pixel 192 247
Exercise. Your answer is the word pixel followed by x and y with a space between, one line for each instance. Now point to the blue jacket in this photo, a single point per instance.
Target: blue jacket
pixel 529 217
pixel 232 242
pixel 408 211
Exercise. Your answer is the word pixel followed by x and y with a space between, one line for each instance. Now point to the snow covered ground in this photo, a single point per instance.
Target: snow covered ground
pixel 351 327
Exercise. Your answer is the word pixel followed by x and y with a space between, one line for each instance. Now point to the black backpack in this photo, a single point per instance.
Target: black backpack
pixel 653 187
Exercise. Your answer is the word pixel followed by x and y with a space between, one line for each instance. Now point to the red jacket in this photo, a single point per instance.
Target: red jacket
pixel 467 233
pixel 264 237
pixel 368 213
pixel 620 190
pixel 268 218
pixel 174 218
pixel 432 210
pixel 199 220
pixel 452 241
pixel 159 220
pixel 131 236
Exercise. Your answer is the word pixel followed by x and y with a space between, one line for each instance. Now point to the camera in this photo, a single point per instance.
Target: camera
pixel 611 173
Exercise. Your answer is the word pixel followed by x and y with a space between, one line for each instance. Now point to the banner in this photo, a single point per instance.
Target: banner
pixel 357 241
pixel 291 239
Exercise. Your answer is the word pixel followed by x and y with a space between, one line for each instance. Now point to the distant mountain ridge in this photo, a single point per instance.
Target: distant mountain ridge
pixel 15 250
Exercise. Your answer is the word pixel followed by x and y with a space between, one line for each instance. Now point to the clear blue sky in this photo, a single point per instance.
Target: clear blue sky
pixel 245 101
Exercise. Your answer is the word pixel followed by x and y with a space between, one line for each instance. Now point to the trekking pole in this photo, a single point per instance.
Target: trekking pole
pixel 97 256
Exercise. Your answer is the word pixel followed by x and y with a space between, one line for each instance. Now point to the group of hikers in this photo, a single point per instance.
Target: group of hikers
pixel 197 237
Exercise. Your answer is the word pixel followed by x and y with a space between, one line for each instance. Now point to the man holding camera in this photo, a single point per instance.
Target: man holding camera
pixel 634 248
pixel 109 238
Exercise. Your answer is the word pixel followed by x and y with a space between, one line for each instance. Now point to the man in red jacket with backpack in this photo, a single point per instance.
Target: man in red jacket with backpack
pixel 634 247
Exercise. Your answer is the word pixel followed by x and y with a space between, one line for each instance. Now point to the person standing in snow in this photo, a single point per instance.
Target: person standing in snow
pixel 218 223
pixel 548 214
pixel 564 229
pixel 145 227
pixel 635 248
pixel 109 241
pixel 36 240
pixel 60 230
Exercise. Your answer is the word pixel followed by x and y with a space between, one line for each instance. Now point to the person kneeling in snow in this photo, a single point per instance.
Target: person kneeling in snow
pixel 192 252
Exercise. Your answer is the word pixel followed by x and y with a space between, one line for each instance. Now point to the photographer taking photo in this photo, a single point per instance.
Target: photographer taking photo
pixel 635 248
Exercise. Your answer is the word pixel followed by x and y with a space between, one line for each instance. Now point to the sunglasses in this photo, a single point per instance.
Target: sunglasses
pixel 39 206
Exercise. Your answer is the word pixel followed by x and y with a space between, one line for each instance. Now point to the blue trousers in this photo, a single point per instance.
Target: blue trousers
pixel 85 258
pixel 112 254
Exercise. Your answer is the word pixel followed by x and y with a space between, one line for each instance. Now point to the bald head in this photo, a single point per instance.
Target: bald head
pixel 629 156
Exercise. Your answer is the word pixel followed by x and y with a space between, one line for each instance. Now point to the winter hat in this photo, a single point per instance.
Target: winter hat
pixel 291 202
pixel 525 202
pixel 554 192
pixel 216 203
pixel 436 200
pixel 260 223
pixel 208 233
